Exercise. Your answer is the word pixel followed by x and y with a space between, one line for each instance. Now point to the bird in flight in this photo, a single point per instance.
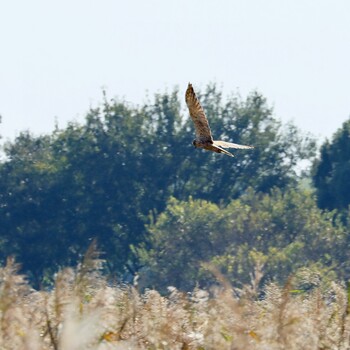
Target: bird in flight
pixel 204 138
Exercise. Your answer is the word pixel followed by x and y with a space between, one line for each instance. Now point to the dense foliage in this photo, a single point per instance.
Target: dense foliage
pixel 108 177
pixel 279 234
pixel 331 173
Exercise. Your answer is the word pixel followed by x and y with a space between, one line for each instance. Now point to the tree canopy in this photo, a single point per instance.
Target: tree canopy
pixel 331 172
pixel 281 233
pixel 102 179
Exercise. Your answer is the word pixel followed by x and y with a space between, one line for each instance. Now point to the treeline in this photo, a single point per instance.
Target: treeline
pixel 267 237
pixel 130 177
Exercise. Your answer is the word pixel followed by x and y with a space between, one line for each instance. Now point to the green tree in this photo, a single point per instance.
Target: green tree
pixel 101 179
pixel 331 172
pixel 282 232
pixel 29 201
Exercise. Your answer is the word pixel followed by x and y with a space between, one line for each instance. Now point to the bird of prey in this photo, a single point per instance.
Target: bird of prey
pixel 204 138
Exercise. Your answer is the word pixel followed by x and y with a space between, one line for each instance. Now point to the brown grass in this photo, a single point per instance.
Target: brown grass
pixel 84 312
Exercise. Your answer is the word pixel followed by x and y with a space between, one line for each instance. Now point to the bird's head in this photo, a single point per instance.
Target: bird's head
pixel 194 143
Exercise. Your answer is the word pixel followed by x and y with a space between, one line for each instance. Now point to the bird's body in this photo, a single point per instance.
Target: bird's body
pixel 204 138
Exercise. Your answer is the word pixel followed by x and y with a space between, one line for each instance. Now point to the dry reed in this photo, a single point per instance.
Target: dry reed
pixel 83 311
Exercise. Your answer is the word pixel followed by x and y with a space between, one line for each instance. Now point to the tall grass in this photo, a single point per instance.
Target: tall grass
pixel 83 311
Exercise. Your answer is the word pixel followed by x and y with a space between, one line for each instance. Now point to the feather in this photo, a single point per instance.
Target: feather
pixel 197 114
pixel 231 145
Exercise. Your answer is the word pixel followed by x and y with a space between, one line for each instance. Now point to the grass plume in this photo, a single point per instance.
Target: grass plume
pixel 83 311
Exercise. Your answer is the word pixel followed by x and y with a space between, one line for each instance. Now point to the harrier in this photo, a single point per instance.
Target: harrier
pixel 204 138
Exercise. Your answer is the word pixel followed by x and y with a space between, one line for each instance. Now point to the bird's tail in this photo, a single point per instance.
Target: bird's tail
pixel 231 145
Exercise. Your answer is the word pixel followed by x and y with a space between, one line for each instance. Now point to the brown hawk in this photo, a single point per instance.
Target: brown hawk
pixel 204 138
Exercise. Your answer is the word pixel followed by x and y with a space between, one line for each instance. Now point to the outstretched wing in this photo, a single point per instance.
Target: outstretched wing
pixel 231 145
pixel 197 114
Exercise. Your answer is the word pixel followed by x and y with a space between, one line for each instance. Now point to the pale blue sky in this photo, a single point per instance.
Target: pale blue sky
pixel 57 55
